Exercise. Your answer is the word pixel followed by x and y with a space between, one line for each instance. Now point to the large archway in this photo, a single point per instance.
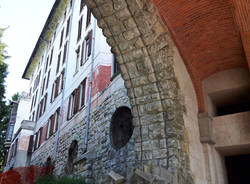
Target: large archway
pixel 145 53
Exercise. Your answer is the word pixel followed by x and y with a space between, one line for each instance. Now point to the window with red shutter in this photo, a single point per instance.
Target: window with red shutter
pixel 79 29
pixel 88 17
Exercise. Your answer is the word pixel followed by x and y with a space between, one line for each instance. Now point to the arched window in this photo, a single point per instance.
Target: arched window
pixel 71 157
pixel 121 128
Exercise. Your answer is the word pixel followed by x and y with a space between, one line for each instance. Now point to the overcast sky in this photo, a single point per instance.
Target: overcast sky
pixel 25 20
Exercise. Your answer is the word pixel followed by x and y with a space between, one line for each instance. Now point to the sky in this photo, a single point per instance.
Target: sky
pixel 25 20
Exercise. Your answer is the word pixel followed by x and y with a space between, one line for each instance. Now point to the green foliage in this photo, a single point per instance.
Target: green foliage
pixel 4 108
pixel 62 180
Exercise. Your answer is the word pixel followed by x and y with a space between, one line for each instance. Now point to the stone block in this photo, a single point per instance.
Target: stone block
pixel 116 178
pixel 206 128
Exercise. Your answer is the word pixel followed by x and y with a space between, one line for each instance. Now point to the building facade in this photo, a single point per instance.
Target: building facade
pixel 183 114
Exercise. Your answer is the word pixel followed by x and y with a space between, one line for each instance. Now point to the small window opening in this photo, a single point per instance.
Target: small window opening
pixel 72 155
pixel 121 128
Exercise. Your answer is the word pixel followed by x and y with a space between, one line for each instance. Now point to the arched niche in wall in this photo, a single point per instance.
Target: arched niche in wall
pixel 121 128
pixel 227 92
pixel 72 154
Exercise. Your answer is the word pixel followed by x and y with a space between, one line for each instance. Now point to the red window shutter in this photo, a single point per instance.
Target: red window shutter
pixel 88 17
pixel 67 29
pixel 61 41
pixel 47 84
pixel 79 29
pixel 83 92
pixel 58 62
pixel 76 104
pixel 65 52
pixel 51 56
pixel 40 138
pixel 90 43
pixel 82 56
pixel 52 124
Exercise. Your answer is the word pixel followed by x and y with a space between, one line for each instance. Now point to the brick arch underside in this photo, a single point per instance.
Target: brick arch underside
pixel 144 50
pixel 207 35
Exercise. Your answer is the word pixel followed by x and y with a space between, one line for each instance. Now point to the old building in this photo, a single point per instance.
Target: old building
pixel 185 67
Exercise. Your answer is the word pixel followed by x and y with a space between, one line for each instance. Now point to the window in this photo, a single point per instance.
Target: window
pixel 77 59
pixel 67 28
pixel 47 84
pixel 46 65
pixel 88 17
pixel 121 128
pixel 58 62
pixel 82 5
pixel 64 52
pixel 71 105
pixel 79 29
pixel 61 40
pixel 51 56
pixel 82 54
pixel 82 93
pixel 116 66
pixel 88 45
pixel 53 92
pixel 48 129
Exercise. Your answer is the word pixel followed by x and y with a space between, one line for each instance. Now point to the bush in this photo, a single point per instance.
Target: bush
pixel 61 180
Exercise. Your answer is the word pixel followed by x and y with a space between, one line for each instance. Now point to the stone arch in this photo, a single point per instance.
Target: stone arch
pixel 144 50
pixel 72 155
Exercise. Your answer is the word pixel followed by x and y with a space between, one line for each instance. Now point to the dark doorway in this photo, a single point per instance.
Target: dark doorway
pixel 238 169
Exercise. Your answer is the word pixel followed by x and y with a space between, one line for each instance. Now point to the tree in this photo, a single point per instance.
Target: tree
pixel 4 108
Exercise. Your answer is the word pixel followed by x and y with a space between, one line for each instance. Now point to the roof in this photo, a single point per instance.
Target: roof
pixel 45 36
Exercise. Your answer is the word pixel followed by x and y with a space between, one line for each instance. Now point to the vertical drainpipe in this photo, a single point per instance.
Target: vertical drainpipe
pixel 90 87
pixel 64 84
